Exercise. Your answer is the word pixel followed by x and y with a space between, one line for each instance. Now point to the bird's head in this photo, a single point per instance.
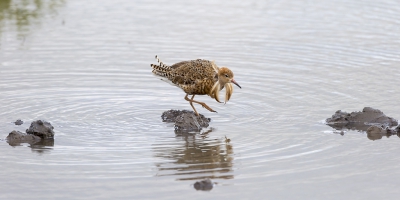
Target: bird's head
pixel 225 78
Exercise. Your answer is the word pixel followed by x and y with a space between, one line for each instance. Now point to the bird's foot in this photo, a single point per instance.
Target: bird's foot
pixel 207 107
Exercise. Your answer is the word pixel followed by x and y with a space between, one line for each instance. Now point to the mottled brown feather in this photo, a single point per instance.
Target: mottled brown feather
pixel 197 77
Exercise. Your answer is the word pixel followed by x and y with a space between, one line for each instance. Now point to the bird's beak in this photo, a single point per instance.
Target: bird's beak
pixel 234 82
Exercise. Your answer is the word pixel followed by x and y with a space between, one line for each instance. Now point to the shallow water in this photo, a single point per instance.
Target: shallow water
pixel 84 66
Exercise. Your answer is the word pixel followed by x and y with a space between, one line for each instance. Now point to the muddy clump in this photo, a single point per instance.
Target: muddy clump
pixel 186 121
pixel 373 121
pixel 16 137
pixel 42 129
pixel 205 185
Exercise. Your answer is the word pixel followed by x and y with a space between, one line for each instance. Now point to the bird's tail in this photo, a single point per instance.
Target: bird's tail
pixel 161 69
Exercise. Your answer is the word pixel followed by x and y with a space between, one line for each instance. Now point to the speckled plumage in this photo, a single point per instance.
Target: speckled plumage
pixel 197 77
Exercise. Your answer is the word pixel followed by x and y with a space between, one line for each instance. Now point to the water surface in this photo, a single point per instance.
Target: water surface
pixel 84 66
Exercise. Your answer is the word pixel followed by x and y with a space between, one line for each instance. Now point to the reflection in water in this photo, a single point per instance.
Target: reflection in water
pixel 24 13
pixel 196 158
pixel 372 134
pixel 40 147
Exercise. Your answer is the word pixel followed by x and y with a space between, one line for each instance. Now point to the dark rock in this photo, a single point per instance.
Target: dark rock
pixel 186 121
pixel 373 121
pixel 18 122
pixel 15 138
pixel 170 115
pixel 360 120
pixel 42 129
pixel 205 185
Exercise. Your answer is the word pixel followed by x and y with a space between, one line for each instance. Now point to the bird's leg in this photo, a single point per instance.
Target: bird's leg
pixel 191 103
pixel 201 103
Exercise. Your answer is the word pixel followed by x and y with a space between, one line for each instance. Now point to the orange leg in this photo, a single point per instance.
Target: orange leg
pixel 201 103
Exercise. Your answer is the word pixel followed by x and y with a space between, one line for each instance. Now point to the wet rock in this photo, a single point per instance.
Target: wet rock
pixel 42 129
pixel 170 115
pixel 205 185
pixel 16 137
pixel 360 120
pixel 18 122
pixel 373 121
pixel 186 121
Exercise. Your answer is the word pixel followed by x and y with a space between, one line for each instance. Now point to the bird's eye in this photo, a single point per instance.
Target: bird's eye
pixel 226 75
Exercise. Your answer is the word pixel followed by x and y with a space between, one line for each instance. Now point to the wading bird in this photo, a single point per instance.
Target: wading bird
pixel 197 77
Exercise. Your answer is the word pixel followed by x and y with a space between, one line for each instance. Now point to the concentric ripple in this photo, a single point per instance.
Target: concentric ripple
pixel 84 66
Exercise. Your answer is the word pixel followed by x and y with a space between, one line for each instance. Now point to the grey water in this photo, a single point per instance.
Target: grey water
pixel 84 66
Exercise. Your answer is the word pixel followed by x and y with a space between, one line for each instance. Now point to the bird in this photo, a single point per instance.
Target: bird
pixel 197 77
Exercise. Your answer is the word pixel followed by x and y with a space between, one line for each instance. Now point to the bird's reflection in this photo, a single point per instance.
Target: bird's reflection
pixel 195 157
pixel 372 134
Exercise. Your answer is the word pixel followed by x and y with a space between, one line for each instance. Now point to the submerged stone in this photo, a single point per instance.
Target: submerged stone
pixel 205 185
pixel 185 121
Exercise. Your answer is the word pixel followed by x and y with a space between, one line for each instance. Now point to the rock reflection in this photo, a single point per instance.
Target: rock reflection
pixel 23 13
pixel 373 132
pixel 196 158
pixel 40 147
